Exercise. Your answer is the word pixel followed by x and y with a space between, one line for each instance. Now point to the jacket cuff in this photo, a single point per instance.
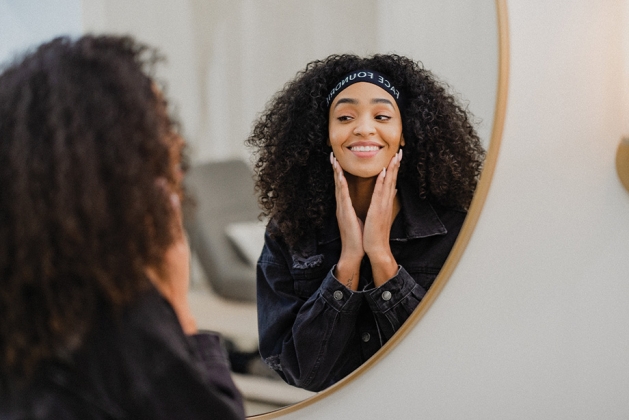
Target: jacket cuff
pixel 394 291
pixel 338 296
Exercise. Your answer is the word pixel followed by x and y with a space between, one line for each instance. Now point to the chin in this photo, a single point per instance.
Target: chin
pixel 364 172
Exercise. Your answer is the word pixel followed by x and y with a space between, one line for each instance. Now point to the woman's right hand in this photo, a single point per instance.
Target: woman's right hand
pixel 351 227
pixel 173 280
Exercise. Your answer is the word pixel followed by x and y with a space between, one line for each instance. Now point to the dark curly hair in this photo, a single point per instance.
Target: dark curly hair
pixel 84 135
pixel 443 155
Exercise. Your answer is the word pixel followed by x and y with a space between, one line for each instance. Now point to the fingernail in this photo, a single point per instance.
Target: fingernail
pixel 384 171
pixel 174 200
pixel 332 158
pixel 161 182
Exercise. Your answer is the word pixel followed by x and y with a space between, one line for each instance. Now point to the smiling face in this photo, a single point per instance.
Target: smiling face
pixel 365 129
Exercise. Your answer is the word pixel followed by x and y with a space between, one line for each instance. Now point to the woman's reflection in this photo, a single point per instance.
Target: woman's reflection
pixel 365 167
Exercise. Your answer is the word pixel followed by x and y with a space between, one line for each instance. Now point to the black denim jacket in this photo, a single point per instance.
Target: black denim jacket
pixel 140 367
pixel 313 330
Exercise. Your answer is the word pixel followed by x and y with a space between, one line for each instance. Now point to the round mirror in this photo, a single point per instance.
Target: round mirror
pixel 227 58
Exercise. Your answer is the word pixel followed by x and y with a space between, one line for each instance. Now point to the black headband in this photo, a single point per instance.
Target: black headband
pixel 368 76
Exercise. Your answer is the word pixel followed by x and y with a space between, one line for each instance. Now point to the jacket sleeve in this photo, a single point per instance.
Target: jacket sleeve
pixel 179 376
pixel 303 338
pixel 215 364
pixel 393 302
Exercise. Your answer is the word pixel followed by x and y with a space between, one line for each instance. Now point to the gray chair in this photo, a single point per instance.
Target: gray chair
pixel 224 194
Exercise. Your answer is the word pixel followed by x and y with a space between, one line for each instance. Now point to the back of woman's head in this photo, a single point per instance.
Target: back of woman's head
pixel 84 135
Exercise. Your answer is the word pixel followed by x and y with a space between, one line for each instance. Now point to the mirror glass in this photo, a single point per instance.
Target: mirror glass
pixel 226 59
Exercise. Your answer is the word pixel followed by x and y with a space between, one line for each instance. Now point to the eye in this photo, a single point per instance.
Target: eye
pixel 382 117
pixel 343 118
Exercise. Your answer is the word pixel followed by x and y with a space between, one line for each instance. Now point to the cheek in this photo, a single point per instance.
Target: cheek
pixel 395 137
pixel 334 140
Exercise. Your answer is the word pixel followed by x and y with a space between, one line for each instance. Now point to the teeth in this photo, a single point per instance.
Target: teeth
pixel 365 148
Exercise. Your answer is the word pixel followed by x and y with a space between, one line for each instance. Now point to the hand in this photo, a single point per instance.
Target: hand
pixel 351 228
pixel 174 279
pixel 378 223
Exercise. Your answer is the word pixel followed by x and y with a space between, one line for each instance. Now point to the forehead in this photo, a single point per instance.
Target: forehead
pixel 363 91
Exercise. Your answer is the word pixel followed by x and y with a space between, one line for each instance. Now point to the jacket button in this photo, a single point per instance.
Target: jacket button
pixel 366 337
pixel 386 295
pixel 338 295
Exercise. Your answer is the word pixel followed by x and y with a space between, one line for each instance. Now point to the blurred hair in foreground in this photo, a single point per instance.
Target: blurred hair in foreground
pixel 81 218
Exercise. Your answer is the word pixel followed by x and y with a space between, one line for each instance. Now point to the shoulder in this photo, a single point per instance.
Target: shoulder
pixel 139 364
pixel 306 251
pixel 426 217
pixel 451 217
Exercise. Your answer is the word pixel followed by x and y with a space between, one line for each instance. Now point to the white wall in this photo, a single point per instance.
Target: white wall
pixel 625 80
pixel 456 40
pixel 533 324
pixel 252 48
pixel 27 23
pixel 227 57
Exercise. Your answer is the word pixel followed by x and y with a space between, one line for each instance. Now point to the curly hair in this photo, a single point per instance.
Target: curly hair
pixel 443 155
pixel 84 135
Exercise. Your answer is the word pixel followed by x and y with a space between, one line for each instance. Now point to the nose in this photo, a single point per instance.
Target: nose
pixel 364 127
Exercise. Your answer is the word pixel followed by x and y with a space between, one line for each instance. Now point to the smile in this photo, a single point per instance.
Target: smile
pixel 364 148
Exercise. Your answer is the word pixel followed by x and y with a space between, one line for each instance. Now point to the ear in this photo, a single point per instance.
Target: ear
pixel 402 142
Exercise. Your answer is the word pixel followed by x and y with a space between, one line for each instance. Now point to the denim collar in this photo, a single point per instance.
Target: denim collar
pixel 420 218
pixel 417 219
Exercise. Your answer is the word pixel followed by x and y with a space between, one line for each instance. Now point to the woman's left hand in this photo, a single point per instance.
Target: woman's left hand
pixel 378 223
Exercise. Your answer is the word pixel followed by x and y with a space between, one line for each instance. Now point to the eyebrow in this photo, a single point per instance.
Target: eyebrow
pixel 346 101
pixel 381 101
pixel 355 102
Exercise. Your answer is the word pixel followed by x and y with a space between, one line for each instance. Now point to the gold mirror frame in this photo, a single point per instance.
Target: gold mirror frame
pixel 464 236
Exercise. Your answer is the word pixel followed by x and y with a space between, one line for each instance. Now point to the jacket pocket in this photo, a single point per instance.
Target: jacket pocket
pixel 308 280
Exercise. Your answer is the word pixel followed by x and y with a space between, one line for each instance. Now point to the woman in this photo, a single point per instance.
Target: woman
pixel 365 167
pixel 94 263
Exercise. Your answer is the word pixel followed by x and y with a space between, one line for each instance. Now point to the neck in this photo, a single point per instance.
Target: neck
pixel 361 191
